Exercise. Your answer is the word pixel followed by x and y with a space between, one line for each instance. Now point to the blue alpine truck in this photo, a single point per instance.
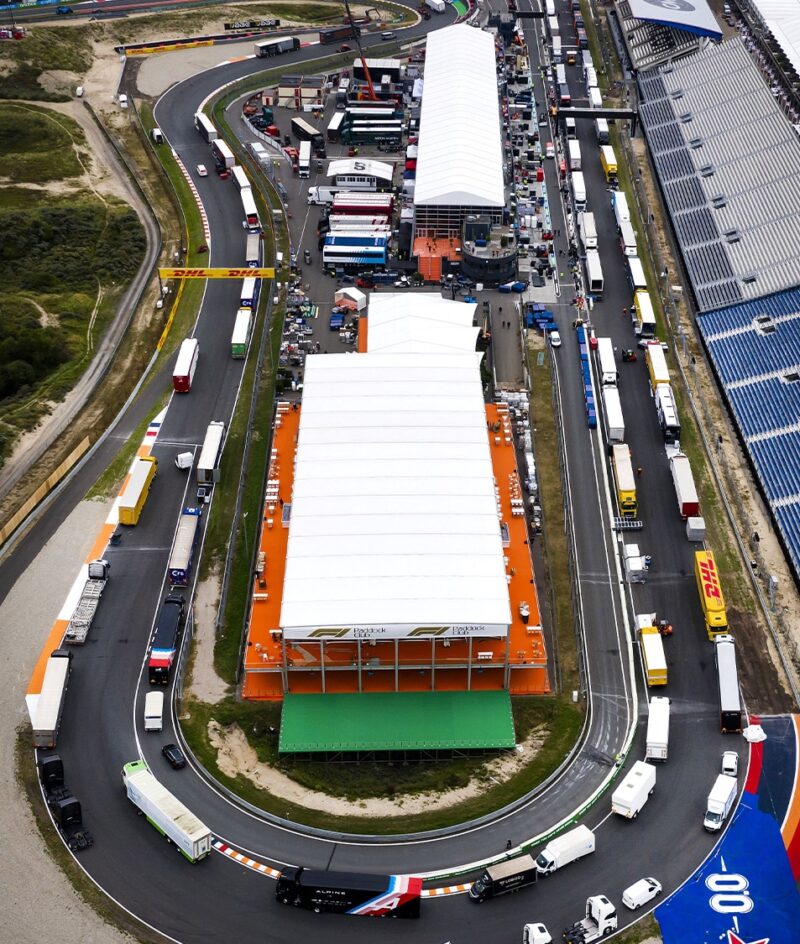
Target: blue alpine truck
pixel 352 893
pixel 164 644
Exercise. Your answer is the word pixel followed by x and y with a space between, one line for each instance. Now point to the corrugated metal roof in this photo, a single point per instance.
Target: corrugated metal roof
pixel 729 161
pixel 460 150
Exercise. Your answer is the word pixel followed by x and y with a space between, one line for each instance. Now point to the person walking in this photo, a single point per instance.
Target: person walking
pixel 639 471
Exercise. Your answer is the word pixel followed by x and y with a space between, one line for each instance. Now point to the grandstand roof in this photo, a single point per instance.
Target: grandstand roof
pixel 394 519
pixel 422 322
pixel 650 43
pixel 460 150
pixel 755 348
pixel 695 17
pixel 781 19
pixel 728 161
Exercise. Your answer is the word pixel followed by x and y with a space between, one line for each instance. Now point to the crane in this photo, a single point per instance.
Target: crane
pixel 357 37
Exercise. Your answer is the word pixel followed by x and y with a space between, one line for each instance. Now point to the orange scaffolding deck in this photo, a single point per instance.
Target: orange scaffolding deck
pixel 430 250
pixel 274 666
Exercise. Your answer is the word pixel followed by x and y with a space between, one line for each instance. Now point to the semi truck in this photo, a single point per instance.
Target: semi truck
pixel 654 661
pixel 624 480
pixel 333 34
pixel 252 254
pixel 599 921
pixel 657 741
pixel 562 850
pixel 685 490
pixel 180 560
pixel 503 877
pixel 608 161
pixel 165 812
pixel 588 230
pixel 711 598
pixel 206 127
pixel 185 365
pixel 132 500
pixel 81 620
pixel 719 803
pixel 359 203
pixel 276 47
pixel 574 154
pixel 579 190
pixel 164 644
pixel 620 204
pixel 612 414
pixel 354 893
pixel 607 362
pixel 438 6
pixel 730 702
pixel 321 195
pixel 634 791
pixel 50 705
pixel 656 362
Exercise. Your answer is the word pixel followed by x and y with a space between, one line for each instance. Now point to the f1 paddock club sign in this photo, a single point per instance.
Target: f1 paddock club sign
pixel 393 631
pixel 253 24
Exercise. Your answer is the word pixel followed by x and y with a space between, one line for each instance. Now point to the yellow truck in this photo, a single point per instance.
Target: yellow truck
pixel 711 599
pixel 624 480
pixel 608 160
pixel 654 661
pixel 132 500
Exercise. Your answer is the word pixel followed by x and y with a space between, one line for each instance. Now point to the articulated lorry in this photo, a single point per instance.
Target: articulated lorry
pixel 81 620
pixel 657 741
pixel 354 893
pixel 685 489
pixel 165 812
pixel 50 706
pixel 562 850
pixel 503 877
pixel 601 920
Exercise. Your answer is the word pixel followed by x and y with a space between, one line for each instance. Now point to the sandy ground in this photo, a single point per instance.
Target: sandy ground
pixel 205 684
pixel 37 901
pixel 235 757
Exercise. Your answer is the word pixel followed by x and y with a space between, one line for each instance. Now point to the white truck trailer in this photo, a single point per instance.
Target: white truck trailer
pixel 588 230
pixel 81 620
pixel 574 154
pixel 50 705
pixel 632 794
pixel 612 413
pixel 164 811
pixel 562 850
pixel 657 740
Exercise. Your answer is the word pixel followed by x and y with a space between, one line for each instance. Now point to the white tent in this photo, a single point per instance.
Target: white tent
pixel 417 323
pixel 360 165
pixel 351 298
pixel 394 521
pixel 460 149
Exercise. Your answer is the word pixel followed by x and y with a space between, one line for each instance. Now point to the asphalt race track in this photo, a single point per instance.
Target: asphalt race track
pixel 220 899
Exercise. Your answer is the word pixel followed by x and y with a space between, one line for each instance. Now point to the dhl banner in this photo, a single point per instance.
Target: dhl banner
pixel 216 273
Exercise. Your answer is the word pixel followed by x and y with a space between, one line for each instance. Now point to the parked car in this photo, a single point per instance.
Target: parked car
pixel 640 893
pixel 174 756
pixel 555 339
pixel 123 100
pixel 549 149
pixel 201 170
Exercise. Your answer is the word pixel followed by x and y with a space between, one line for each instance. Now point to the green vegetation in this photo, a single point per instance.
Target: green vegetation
pixel 45 49
pixel 61 275
pixel 558 721
pixel 38 145
pixel 105 907
pixel 556 551
pixel 645 930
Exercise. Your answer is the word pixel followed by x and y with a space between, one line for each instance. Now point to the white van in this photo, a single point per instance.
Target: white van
pixel 154 711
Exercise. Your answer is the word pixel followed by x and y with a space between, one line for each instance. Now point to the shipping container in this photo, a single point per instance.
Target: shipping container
pixel 185 365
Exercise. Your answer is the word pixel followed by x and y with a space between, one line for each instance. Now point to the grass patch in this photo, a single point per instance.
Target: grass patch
pixel 644 930
pixel 101 904
pixel 44 49
pixel 354 782
pixel 546 444
pixel 38 145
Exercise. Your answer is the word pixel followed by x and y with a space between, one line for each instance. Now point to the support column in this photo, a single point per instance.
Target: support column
pixel 358 656
pixel 322 662
pixel 433 664
pixel 469 665
pixel 396 666
pixel 284 667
